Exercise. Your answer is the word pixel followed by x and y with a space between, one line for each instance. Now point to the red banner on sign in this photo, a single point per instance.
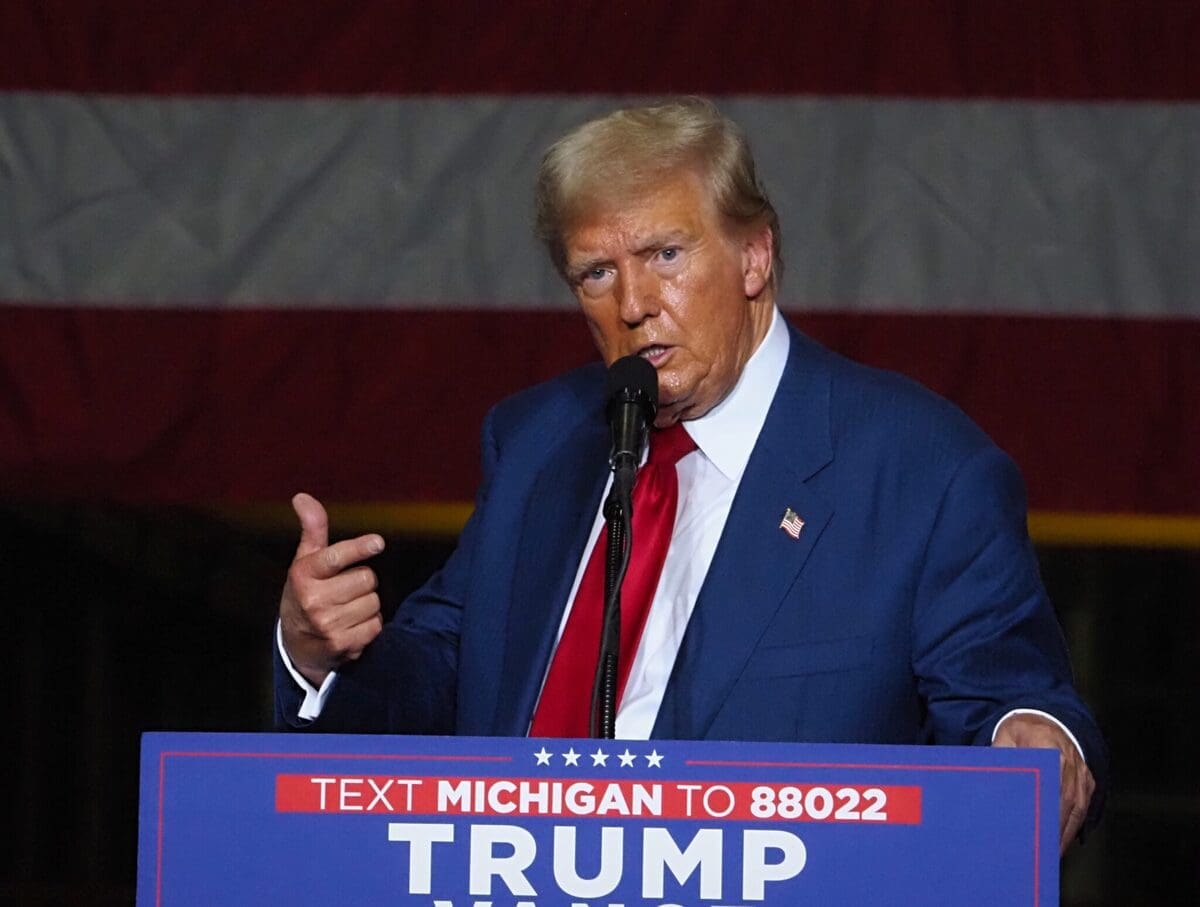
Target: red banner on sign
pixel 596 798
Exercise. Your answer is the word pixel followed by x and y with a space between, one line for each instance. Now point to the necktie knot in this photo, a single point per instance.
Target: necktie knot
pixel 669 445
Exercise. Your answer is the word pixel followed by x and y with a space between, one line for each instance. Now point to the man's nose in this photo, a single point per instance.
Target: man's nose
pixel 637 297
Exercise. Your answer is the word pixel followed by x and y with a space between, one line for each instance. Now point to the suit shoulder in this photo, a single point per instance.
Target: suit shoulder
pixel 550 405
pixel 887 409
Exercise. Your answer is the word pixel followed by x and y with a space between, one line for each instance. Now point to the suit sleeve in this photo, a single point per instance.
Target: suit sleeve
pixel 985 637
pixel 405 681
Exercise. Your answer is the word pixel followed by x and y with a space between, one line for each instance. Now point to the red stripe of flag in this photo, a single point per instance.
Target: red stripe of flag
pixel 1067 49
pixel 250 406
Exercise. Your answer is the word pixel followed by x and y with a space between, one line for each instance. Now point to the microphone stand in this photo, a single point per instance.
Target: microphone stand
pixel 633 399
pixel 618 512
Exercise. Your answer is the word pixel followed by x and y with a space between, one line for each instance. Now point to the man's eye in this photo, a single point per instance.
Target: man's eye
pixel 593 280
pixel 669 254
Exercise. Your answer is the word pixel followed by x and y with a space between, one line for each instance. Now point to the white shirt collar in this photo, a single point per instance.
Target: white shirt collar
pixel 727 433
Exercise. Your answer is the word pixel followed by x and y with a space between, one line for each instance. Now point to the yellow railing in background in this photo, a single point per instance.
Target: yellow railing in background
pixel 1122 530
pixel 428 519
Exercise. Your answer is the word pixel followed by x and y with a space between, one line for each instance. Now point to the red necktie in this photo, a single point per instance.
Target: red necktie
pixel 565 707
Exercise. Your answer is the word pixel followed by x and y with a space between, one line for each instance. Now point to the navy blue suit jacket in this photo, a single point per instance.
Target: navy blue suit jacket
pixel 909 610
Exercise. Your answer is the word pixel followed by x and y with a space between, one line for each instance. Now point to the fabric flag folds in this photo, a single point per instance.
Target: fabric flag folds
pixel 243 254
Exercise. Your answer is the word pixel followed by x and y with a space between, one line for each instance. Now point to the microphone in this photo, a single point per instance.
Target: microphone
pixel 632 404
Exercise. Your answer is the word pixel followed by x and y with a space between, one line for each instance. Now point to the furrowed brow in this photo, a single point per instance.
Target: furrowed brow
pixel 659 240
pixel 576 269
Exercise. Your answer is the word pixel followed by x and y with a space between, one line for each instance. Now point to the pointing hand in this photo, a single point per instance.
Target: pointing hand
pixel 329 611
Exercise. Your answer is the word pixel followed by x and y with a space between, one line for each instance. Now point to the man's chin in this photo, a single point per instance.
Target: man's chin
pixel 669 413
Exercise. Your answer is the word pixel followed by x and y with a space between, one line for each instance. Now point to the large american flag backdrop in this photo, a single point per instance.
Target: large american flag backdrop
pixel 252 248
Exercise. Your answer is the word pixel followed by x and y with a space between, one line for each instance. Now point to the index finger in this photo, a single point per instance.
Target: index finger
pixel 1074 799
pixel 333 559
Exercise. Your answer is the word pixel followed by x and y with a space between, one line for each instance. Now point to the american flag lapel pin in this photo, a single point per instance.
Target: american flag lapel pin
pixel 791 523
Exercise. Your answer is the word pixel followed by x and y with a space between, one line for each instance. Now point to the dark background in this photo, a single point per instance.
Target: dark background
pixel 124 620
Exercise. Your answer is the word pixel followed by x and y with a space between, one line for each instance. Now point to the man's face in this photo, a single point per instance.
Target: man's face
pixel 666 279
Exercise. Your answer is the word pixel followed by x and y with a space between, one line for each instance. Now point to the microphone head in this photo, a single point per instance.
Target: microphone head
pixel 631 379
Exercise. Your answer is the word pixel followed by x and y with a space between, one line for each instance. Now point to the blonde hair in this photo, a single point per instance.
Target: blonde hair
pixel 630 151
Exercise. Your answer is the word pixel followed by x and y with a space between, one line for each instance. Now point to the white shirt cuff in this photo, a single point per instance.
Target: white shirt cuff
pixel 1066 730
pixel 314 699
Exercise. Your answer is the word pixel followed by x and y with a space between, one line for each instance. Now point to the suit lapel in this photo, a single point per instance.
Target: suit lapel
pixel 559 516
pixel 756 563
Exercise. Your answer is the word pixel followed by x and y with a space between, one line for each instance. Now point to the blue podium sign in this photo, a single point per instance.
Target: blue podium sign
pixel 490 822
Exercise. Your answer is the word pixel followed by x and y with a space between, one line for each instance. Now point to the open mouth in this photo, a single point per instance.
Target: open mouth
pixel 656 354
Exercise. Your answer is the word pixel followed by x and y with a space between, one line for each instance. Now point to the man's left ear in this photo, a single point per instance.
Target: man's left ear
pixel 756 262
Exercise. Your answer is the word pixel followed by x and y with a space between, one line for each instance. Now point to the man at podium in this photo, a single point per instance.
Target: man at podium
pixel 827 552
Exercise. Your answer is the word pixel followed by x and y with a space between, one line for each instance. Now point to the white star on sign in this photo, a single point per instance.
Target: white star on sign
pixel 543 756
pixel 570 757
pixel 599 758
pixel 626 758
pixel 654 760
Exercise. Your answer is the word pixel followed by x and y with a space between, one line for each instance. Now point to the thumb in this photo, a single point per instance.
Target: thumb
pixel 314 524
